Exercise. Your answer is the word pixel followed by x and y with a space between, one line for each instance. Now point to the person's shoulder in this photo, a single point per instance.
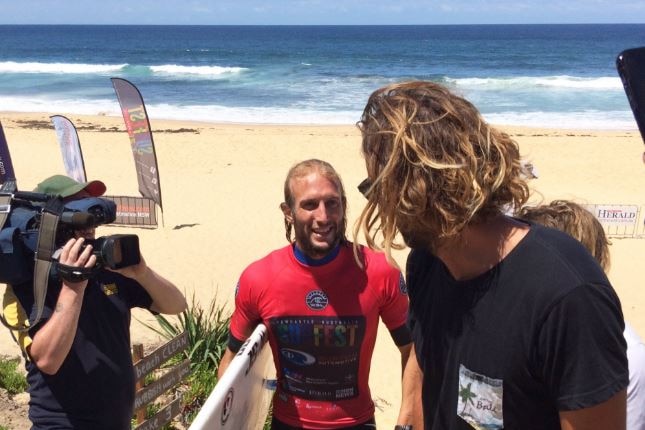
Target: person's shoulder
pixel 550 236
pixel 555 260
pixel 274 260
pixel 633 340
pixel 375 261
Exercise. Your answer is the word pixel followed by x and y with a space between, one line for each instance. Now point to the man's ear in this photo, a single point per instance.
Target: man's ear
pixel 286 210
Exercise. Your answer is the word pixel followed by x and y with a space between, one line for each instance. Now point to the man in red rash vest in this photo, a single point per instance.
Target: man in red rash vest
pixel 321 306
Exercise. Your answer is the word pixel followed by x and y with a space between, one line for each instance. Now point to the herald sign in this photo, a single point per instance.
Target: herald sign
pixel 616 214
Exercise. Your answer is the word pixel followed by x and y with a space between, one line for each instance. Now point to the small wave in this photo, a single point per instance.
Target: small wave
pixel 204 71
pixel 60 68
pixel 583 120
pixel 563 81
pixel 136 71
pixel 57 105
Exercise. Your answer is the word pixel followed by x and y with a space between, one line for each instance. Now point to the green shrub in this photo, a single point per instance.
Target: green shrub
pixel 10 379
pixel 207 339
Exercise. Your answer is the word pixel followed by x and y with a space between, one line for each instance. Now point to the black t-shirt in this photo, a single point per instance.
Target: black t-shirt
pixel 94 388
pixel 541 332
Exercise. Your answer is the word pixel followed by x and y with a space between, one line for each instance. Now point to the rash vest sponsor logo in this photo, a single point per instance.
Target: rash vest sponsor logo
pixel 319 356
pixel 317 300
pixel 297 357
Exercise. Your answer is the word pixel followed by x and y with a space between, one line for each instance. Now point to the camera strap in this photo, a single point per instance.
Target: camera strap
pixel 6 195
pixel 44 251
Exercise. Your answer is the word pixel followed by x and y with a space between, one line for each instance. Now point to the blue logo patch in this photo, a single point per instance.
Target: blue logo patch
pixel 317 300
pixel 296 357
pixel 403 287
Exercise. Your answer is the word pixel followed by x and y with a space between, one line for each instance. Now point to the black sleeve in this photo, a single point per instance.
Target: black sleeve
pixel 581 350
pixel 401 335
pixel 132 292
pixel 234 344
pixel 414 270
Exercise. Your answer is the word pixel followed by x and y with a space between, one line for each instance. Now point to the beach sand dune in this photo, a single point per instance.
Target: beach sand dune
pixel 221 186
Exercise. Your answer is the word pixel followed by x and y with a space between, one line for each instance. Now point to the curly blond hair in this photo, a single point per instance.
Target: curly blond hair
pixel 434 164
pixel 575 220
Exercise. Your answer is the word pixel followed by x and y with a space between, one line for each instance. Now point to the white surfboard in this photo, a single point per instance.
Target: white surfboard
pixel 241 399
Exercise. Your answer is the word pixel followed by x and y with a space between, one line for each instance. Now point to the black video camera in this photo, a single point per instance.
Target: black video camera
pixel 19 235
pixel 116 251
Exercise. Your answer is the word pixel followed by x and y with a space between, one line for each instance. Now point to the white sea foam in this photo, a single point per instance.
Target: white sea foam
pixel 61 106
pixel 592 120
pixel 588 120
pixel 257 115
pixel 37 67
pixel 202 71
pixel 526 82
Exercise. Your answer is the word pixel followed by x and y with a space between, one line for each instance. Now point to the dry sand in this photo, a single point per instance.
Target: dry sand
pixel 221 185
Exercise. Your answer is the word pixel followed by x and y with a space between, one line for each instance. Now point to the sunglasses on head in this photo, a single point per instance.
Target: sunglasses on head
pixel 364 186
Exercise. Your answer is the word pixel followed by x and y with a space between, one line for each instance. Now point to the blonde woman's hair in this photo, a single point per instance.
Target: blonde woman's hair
pixel 435 165
pixel 575 220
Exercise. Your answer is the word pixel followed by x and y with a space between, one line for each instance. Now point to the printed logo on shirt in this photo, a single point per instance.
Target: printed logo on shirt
pixel 480 400
pixel 402 285
pixel 316 300
pixel 319 355
pixel 299 358
pixel 293 375
pixel 109 289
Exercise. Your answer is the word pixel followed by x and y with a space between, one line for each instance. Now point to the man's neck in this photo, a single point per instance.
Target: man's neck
pixel 317 260
pixel 480 247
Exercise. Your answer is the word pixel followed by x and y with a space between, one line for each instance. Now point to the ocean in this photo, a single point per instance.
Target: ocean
pixel 533 75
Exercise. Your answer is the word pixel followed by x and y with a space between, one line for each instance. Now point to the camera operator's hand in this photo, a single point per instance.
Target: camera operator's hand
pixel 74 254
pixel 135 272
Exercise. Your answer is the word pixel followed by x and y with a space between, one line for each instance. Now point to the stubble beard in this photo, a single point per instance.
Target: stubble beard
pixel 309 248
pixel 416 240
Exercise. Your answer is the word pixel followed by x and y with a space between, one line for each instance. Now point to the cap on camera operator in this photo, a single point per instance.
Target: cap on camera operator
pixel 78 357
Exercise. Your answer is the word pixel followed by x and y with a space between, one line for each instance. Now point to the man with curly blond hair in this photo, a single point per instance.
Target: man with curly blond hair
pixel 515 325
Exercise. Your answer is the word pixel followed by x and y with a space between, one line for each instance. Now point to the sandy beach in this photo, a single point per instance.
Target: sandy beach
pixel 221 185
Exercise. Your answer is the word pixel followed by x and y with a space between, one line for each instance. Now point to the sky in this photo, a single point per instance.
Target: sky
pixel 320 12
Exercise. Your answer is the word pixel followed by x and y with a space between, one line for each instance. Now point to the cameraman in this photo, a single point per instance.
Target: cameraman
pixel 79 365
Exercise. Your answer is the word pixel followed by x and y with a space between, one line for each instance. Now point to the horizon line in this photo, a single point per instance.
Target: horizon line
pixel 321 25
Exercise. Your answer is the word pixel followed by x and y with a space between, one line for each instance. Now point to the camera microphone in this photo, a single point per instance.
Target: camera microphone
pixel 32 196
pixel 78 220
